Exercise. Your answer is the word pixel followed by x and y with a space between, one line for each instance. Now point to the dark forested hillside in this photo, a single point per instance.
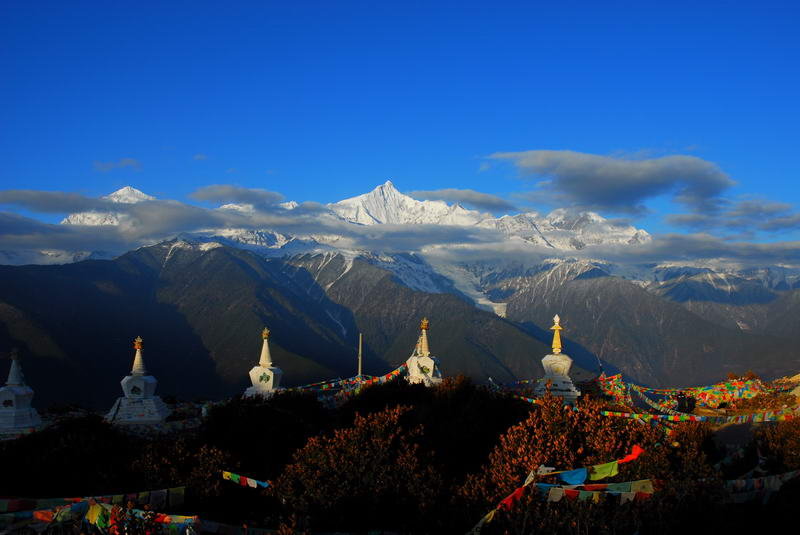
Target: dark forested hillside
pixel 200 310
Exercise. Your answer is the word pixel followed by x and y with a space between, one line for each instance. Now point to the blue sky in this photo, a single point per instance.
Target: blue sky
pixel 325 100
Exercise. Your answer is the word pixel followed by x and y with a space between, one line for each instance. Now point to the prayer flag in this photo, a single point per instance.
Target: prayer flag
pixel 93 513
pixel 530 478
pixel 483 521
pixel 43 516
pixel 619 487
pixel 573 477
pixel 644 485
pixel 555 494
pixel 633 455
pixel 602 471
pixel 509 500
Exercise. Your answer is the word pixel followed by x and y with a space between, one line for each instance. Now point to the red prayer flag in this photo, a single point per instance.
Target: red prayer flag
pixel 43 516
pixel 572 494
pixel 633 455
pixel 515 496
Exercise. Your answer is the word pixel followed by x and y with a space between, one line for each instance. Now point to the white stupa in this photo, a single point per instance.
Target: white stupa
pixel 16 414
pixel 422 367
pixel 265 377
pixel 139 405
pixel 556 370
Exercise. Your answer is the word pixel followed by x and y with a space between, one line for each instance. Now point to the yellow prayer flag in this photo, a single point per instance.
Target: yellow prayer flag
pixel 602 471
pixel 645 485
pixel 93 513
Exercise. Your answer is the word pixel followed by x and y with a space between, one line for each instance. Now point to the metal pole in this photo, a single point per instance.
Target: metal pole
pixel 360 341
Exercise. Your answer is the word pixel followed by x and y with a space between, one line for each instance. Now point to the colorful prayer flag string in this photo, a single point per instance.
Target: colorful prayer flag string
pixel 574 478
pixel 245 481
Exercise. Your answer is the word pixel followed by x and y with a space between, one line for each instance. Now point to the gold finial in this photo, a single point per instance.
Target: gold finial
pixel 424 324
pixel 556 328
pixel 265 334
pixel 137 344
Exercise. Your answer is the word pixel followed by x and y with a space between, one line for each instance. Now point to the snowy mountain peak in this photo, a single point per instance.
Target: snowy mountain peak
pixel 386 205
pixel 128 195
pixel 572 220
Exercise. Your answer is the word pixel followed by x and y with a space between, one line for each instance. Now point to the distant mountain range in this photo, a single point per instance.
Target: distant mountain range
pixel 201 298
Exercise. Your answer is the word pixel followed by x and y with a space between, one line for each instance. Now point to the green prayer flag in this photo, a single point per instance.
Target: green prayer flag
pixel 602 471
pixel 235 478
pixel 103 519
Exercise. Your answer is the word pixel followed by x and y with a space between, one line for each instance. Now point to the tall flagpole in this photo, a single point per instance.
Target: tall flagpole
pixel 360 341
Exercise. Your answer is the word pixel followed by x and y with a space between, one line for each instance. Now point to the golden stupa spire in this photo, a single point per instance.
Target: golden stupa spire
pixel 556 328
pixel 138 361
pixel 424 349
pixel 265 360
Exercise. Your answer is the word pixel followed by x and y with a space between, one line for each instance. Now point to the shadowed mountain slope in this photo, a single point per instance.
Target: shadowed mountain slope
pixel 651 339
pixel 200 308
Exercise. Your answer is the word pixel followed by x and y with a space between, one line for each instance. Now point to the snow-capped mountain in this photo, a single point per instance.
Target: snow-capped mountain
pixel 564 230
pixel 560 229
pixel 126 195
pixel 386 205
pixel 554 239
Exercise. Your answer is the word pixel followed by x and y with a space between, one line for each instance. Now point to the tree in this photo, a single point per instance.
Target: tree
pixel 362 476
pixel 556 435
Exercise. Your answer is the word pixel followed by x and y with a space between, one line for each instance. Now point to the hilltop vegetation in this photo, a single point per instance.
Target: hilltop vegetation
pixel 410 459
